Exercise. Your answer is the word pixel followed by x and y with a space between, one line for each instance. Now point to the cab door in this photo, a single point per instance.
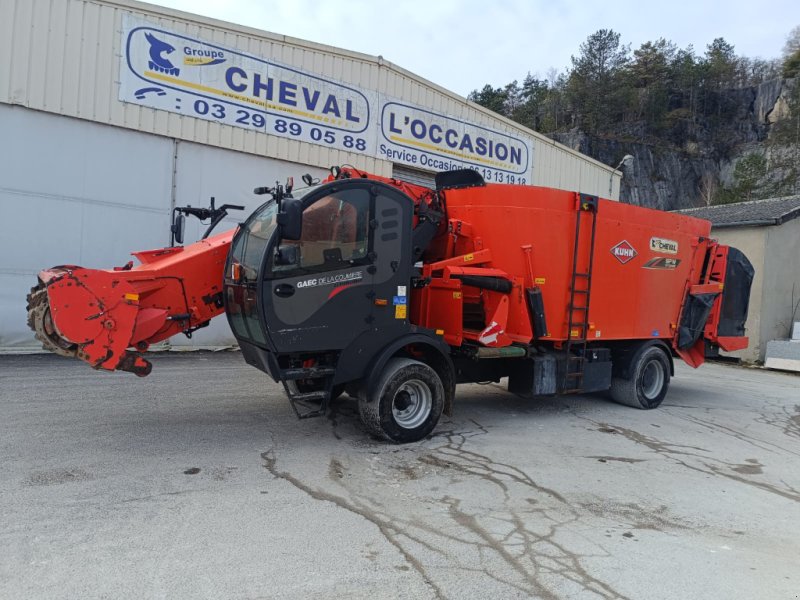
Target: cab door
pixel 319 292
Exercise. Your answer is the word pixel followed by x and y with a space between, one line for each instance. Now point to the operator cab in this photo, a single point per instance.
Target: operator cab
pixel 333 290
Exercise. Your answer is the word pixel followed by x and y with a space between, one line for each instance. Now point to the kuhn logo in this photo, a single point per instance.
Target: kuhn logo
pixel 624 252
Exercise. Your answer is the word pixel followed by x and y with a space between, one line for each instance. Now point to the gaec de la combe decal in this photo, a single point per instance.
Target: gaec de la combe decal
pixel 624 252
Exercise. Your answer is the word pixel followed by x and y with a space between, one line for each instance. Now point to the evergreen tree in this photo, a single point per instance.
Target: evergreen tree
pixel 593 82
pixel 651 77
pixel 720 64
pixel 491 98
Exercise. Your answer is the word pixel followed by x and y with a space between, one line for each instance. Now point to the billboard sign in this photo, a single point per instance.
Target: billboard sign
pixel 169 71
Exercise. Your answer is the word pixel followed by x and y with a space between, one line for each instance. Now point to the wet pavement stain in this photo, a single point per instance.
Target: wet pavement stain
pixel 57 476
pixel 335 469
pixel 751 466
pixel 621 459
pixel 634 516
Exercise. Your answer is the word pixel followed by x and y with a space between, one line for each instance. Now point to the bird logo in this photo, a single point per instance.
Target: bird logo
pixel 158 62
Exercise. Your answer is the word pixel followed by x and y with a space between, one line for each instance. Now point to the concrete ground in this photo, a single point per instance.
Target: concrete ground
pixel 198 482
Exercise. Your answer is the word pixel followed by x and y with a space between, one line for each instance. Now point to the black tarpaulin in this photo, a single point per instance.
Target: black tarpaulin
pixel 736 296
pixel 693 321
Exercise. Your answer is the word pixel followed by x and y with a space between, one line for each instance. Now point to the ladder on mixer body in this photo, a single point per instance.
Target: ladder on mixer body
pixel 579 297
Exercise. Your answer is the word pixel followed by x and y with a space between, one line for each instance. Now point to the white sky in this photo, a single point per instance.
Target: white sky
pixel 463 45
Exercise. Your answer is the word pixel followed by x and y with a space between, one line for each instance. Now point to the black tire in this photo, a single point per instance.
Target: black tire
pixel 648 383
pixel 407 403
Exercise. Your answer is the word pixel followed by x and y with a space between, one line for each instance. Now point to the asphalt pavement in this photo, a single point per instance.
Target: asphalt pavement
pixel 199 482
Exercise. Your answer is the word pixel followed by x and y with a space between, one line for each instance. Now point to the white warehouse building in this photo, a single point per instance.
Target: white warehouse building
pixel 113 112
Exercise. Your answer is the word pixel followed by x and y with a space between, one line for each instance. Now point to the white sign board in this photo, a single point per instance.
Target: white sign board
pixel 181 74
pixel 419 137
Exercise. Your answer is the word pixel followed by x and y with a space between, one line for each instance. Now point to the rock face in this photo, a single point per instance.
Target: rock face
pixel 686 172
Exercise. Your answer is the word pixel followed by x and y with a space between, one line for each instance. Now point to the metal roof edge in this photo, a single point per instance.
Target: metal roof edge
pixel 754 223
pixel 792 214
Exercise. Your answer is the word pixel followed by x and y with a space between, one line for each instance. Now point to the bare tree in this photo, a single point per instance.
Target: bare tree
pixel 708 188
pixel 792 42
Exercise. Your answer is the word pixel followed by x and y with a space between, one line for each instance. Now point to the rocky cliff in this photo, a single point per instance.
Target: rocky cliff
pixel 686 167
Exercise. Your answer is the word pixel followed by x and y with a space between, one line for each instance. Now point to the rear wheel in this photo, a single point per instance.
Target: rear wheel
pixel 648 383
pixel 407 402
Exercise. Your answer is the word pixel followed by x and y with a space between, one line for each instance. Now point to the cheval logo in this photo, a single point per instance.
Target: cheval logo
pixel 624 252
pixel 193 57
pixel 158 62
pixel 663 246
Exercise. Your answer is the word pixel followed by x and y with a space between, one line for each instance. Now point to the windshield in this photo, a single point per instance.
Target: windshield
pixel 249 245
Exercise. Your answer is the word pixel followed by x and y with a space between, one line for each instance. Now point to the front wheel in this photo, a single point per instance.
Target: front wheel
pixel 407 402
pixel 648 383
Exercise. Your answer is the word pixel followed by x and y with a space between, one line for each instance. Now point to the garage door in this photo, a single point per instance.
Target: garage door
pixel 417 176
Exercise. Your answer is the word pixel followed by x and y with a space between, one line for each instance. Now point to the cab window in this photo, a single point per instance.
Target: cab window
pixel 335 235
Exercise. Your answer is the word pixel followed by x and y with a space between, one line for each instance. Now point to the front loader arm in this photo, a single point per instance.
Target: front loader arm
pixel 106 317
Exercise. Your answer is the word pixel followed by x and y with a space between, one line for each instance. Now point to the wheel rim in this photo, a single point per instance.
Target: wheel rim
pixel 412 404
pixel 652 379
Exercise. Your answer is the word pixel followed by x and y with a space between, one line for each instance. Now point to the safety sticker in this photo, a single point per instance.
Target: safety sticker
pixel 488 336
pixel 400 311
pixel 539 281
pixel 401 290
pixel 399 300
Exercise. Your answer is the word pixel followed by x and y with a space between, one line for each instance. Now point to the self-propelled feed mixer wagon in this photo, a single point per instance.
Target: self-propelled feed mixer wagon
pixel 396 293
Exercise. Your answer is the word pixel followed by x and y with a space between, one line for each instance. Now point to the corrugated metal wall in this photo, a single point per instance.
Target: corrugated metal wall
pixel 62 56
pixel 81 193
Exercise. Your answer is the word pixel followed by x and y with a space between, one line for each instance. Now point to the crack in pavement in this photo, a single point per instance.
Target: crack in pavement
pixel 386 528
pixel 513 538
pixel 680 454
pixel 542 556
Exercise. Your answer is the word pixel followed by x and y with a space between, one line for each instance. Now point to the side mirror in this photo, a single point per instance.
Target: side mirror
pixel 290 219
pixel 177 229
pixel 287 256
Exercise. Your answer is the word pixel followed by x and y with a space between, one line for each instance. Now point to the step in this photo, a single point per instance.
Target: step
pixel 319 395
pixel 307 373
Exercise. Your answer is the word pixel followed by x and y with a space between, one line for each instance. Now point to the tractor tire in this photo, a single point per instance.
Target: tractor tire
pixel 407 403
pixel 648 383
